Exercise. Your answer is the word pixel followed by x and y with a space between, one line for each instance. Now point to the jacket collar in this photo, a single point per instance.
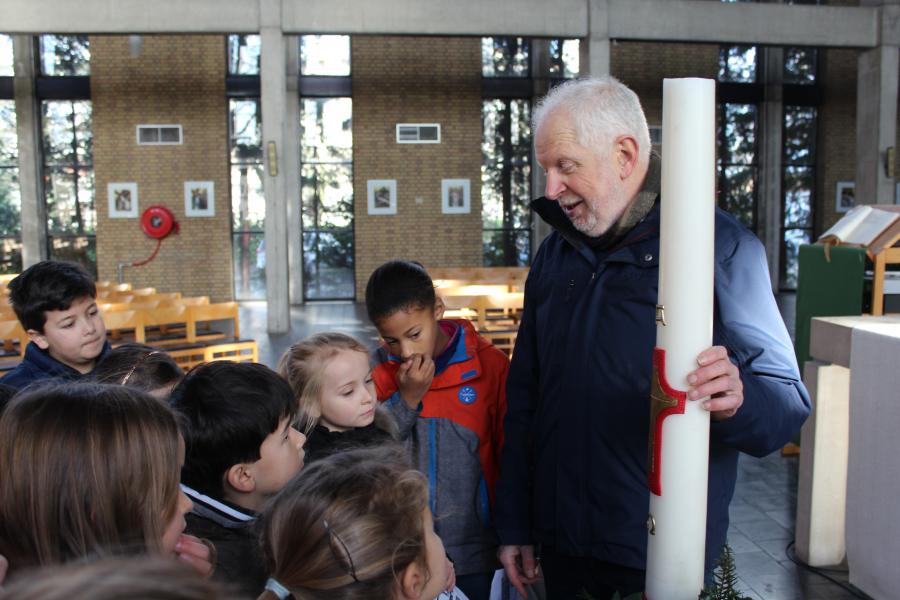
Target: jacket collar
pixel 46 364
pixel 223 513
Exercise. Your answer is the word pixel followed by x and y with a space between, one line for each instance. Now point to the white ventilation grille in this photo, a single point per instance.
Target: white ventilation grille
pixel 159 135
pixel 418 133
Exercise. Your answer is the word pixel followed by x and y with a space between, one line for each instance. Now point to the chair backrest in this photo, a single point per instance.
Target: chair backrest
pixel 119 297
pixel 147 291
pixel 193 300
pixel 118 320
pixel 114 306
pixel 220 311
pixel 167 315
pixel 163 296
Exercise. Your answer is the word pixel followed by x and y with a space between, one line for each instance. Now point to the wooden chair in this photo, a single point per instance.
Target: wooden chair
pixel 204 314
pixel 168 323
pixel 11 332
pixel 120 321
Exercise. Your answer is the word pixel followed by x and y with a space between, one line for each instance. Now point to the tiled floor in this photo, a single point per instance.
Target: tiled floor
pixel 764 505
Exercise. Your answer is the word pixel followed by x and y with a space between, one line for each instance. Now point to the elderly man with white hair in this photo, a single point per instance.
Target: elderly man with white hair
pixel 573 495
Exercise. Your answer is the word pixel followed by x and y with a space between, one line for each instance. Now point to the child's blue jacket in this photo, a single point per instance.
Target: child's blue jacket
pixel 38 365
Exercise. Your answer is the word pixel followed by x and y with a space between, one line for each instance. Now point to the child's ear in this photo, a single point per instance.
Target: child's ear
pixel 240 478
pixel 38 338
pixel 438 308
pixel 412 581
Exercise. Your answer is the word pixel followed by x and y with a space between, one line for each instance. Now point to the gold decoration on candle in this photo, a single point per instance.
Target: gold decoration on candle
pixel 661 314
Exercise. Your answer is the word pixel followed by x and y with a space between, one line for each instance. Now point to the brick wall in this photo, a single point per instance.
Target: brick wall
pixel 174 80
pixel 416 80
pixel 642 66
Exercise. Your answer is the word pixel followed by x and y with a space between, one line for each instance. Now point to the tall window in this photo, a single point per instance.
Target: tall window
pixel 506 182
pixel 799 164
pixel 69 181
pixel 68 168
pixel 327 198
pixel 738 169
pixel 248 203
pixel 326 182
pixel 737 133
pixel 508 85
pixel 10 199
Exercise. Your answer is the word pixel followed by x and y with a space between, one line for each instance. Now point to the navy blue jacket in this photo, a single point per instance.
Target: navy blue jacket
pixel 38 365
pixel 573 473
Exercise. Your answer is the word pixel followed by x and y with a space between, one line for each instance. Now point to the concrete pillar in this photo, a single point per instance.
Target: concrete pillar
pixel 540 54
pixel 292 170
pixel 595 49
pixel 876 123
pixel 771 120
pixel 273 99
pixel 34 221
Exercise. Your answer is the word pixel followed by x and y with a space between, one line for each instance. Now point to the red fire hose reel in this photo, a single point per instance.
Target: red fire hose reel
pixel 157 222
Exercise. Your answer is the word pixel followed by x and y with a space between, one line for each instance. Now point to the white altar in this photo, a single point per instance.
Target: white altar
pixel 849 467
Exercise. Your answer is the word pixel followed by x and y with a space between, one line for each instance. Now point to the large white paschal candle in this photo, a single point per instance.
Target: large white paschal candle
pixel 679 428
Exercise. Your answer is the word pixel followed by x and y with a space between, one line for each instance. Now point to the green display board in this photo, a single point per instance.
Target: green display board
pixel 827 287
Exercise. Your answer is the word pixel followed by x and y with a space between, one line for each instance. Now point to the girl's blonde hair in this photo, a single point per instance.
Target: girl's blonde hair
pixel 87 470
pixel 346 527
pixel 303 364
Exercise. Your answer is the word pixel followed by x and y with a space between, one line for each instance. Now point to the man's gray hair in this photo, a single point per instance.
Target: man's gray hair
pixel 602 109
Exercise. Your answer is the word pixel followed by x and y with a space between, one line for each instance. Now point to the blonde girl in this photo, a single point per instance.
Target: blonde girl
pixel 331 378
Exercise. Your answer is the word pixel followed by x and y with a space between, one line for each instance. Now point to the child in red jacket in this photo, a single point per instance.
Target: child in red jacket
pixel 445 384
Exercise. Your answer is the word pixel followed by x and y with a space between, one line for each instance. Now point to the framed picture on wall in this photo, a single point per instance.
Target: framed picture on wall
pixel 123 200
pixel 199 199
pixel 456 198
pixel 845 197
pixel 382 196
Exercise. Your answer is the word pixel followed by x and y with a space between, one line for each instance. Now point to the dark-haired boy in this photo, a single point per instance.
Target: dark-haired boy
pixel 445 384
pixel 56 305
pixel 240 449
